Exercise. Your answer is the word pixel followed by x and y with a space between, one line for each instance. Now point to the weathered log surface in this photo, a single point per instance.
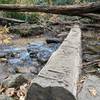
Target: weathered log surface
pixel 58 79
pixel 67 10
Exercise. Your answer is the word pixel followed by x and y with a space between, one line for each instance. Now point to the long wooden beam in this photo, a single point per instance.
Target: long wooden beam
pixel 66 10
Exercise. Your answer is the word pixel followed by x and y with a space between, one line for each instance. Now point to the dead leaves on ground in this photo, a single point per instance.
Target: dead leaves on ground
pixel 4 38
pixel 16 93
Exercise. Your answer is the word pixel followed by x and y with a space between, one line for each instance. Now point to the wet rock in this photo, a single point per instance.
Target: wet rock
pixel 15 61
pixel 14 81
pixel 42 51
pixel 2 54
pixel 54 46
pixel 44 55
pixel 8 51
pixel 91 89
pixel 11 50
pixel 20 58
pixel 24 55
pixel 53 40
pixel 4 71
pixel 27 29
pixel 4 97
pixel 34 48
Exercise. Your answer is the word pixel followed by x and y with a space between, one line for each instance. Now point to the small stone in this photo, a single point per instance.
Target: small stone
pixel 44 55
pixel 34 48
pixel 53 40
pixel 25 69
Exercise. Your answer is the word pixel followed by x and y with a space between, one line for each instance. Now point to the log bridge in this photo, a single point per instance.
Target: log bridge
pixel 58 78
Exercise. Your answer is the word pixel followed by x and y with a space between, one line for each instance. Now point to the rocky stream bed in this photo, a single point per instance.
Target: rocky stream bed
pixel 22 61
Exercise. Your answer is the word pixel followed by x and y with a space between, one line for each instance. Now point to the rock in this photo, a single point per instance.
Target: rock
pixel 3 72
pixel 28 69
pixel 41 52
pixel 91 89
pixel 20 58
pixel 44 55
pixel 2 54
pixel 14 81
pixel 24 55
pixel 27 29
pixel 54 46
pixel 53 40
pixel 28 76
pixel 34 48
pixel 11 49
pixel 4 97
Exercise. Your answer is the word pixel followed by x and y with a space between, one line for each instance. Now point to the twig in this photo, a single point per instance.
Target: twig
pixel 91 62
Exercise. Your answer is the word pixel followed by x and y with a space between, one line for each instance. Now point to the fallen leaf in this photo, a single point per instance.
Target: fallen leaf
pixel 20 93
pixel 10 92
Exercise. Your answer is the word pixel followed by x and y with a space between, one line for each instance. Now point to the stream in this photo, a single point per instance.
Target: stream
pixel 26 55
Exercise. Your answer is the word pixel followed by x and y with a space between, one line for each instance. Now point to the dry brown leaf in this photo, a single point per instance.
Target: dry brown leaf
pixel 20 93
pixel 10 92
pixel 23 89
pixel 92 92
pixel 1 89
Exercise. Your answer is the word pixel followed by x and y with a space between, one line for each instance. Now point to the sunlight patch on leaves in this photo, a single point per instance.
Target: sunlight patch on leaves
pixel 4 38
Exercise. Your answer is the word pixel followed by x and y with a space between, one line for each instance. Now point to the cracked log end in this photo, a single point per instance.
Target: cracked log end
pixel 36 92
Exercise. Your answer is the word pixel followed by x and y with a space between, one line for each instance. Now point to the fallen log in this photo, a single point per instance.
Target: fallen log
pixel 58 79
pixel 66 10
